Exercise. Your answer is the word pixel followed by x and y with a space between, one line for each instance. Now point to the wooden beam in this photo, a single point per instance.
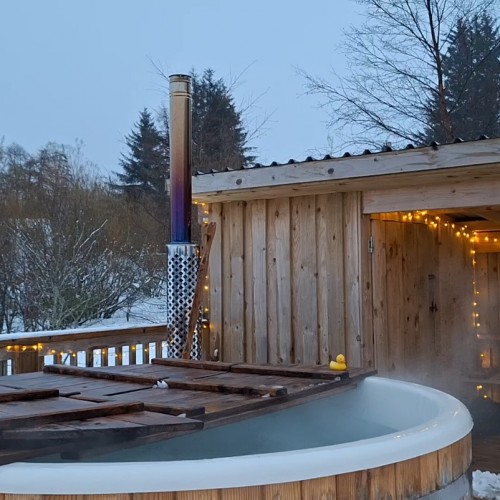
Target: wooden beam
pixel 472 193
pixel 338 174
pixel 290 371
pixel 218 366
pixel 54 415
pixel 28 395
pixel 491 214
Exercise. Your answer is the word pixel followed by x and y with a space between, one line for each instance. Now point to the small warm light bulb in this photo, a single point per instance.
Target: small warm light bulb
pixel 486 238
pixel 479 387
pixel 457 233
pixel 485 396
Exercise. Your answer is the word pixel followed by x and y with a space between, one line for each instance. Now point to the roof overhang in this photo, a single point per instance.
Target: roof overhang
pixel 446 165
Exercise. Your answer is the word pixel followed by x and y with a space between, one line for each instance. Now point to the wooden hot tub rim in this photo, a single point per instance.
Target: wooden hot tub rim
pixel 412 478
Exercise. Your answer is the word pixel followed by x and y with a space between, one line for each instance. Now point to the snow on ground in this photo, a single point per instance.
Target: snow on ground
pixel 486 485
pixel 151 310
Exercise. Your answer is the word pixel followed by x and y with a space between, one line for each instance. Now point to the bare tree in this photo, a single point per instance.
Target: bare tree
pixel 395 71
pixel 65 258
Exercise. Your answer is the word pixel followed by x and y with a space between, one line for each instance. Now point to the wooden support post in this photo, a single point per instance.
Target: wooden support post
pixel 132 354
pixel 73 359
pixel 89 357
pixel 158 349
pixel 145 353
pixel 118 356
pixel 104 356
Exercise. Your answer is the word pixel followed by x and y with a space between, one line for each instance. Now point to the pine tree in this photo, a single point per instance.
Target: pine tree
pixel 472 80
pixel 146 167
pixel 219 136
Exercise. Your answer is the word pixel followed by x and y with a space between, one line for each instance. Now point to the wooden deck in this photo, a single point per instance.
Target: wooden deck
pixel 86 411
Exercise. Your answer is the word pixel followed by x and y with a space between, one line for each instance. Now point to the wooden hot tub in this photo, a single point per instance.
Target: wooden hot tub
pixel 383 439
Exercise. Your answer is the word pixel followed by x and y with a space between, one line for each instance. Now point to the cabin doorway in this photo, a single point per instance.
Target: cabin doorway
pixel 426 309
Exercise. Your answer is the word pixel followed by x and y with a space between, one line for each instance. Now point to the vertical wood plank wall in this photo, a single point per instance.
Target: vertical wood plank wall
pixel 285 280
pixel 422 299
pixel 487 278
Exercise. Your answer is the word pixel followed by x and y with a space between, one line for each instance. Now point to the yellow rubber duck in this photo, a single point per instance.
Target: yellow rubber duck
pixel 339 364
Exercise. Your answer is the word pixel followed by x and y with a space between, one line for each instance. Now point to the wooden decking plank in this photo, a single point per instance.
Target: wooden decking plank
pixel 27 395
pixel 94 427
pixel 38 417
pixel 158 422
pixel 198 365
pixel 228 387
pixel 164 372
pixel 99 373
pixel 20 408
pixel 189 411
pixel 289 371
pixel 292 384
pixel 174 384
pixel 118 426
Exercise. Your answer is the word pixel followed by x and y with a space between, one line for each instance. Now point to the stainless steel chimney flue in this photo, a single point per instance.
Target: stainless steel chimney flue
pixel 182 255
pixel 180 158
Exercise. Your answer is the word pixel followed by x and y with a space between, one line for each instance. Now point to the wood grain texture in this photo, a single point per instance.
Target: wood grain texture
pixel 281 491
pixel 382 483
pixel 353 485
pixel 324 488
pixel 282 234
pixel 429 473
pixel 258 259
pixel 326 257
pixel 366 298
pixel 470 193
pixel 304 279
pixel 407 475
pixel 380 304
pixel 352 285
pixel 236 290
pixel 215 277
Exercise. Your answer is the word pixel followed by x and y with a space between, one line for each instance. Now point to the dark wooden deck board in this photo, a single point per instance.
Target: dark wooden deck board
pixel 131 425
pixel 162 372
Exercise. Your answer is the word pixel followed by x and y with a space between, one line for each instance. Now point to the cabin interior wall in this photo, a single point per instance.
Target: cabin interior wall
pixel 285 282
pixel 423 295
pixel 487 280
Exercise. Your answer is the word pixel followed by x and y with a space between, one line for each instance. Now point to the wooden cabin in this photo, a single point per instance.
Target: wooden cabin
pixel 391 258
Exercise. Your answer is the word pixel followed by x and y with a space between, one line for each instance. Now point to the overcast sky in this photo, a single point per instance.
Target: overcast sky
pixel 83 69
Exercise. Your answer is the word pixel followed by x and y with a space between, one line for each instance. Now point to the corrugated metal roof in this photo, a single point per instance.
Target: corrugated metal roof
pixel 385 149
